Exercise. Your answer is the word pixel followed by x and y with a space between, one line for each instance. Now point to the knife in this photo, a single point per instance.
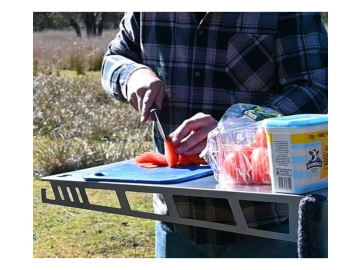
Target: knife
pixel 153 112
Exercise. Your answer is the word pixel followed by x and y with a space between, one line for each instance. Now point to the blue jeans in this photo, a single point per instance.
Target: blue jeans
pixel 169 245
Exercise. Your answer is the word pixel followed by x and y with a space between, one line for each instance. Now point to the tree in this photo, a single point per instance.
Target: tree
pixel 113 20
pixel 93 22
pixel 69 17
pixel 42 21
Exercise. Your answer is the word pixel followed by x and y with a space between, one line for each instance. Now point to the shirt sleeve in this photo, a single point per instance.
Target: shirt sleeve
pixel 122 57
pixel 302 61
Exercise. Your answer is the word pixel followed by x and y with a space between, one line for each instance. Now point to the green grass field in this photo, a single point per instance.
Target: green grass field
pixel 77 125
pixel 67 232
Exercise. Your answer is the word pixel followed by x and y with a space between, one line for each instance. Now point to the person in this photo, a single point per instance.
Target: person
pixel 193 66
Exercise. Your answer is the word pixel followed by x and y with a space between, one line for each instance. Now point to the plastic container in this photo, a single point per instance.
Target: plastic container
pixel 298 151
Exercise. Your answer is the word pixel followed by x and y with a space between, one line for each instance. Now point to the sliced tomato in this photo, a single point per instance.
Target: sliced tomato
pixel 254 144
pixel 150 157
pixel 148 165
pixel 171 156
pixel 161 160
pixel 188 160
pixel 260 165
pixel 237 167
pixel 260 138
pixel 245 150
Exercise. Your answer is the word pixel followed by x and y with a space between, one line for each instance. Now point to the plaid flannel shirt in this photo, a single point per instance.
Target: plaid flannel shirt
pixel 277 60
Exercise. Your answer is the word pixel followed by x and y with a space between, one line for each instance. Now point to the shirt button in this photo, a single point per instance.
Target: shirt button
pixel 201 32
pixel 197 73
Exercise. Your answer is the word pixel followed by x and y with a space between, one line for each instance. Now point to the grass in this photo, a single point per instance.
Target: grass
pixel 77 125
pixel 63 50
pixel 67 232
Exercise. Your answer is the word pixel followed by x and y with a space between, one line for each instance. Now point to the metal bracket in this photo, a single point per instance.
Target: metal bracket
pixel 74 195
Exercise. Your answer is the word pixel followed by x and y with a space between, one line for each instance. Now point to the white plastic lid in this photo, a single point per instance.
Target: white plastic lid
pixel 296 121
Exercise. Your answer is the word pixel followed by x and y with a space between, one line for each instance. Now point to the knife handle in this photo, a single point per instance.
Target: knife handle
pixel 153 108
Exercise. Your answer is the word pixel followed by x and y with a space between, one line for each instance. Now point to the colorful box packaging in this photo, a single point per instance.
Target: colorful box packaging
pixel 298 151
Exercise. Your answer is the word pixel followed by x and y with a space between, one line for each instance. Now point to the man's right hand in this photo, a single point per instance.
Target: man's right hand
pixel 144 89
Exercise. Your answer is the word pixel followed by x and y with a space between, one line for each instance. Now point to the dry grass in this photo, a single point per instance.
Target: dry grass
pixel 77 125
pixel 63 50
pixel 66 232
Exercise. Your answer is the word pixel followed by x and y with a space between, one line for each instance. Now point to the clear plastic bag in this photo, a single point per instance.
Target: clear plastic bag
pixel 237 148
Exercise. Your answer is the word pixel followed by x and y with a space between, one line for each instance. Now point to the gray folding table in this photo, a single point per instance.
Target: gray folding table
pixel 69 189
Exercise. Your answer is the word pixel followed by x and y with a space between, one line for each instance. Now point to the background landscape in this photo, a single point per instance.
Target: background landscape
pixel 77 125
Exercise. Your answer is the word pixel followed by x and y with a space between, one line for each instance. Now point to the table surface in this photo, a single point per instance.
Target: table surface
pixel 69 189
pixel 204 183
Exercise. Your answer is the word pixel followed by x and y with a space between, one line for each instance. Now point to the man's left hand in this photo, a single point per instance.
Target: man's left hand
pixel 190 137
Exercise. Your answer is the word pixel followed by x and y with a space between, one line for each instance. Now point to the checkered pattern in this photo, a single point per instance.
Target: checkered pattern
pixel 276 60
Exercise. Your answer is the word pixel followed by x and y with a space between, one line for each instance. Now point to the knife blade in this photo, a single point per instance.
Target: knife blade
pixel 153 112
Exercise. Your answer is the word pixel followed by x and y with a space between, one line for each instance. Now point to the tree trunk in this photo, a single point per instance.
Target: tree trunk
pixel 70 20
pixel 101 23
pixel 76 27
pixel 90 23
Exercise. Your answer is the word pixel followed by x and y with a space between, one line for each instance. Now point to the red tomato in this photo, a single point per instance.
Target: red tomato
pixel 237 166
pixel 245 150
pixel 260 137
pixel 260 165
pixel 171 156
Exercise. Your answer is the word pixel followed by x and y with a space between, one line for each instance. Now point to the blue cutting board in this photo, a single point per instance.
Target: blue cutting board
pixel 129 171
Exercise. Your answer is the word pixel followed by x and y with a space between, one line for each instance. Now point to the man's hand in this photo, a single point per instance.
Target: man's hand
pixel 144 89
pixel 190 137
